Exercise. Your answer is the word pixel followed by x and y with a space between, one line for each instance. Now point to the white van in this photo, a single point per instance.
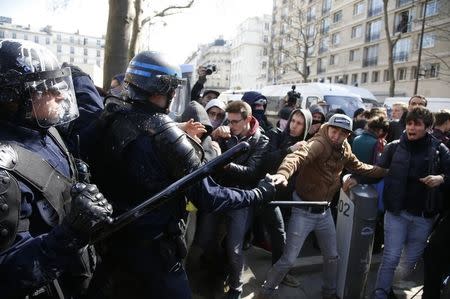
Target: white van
pixel 345 97
pixel 434 104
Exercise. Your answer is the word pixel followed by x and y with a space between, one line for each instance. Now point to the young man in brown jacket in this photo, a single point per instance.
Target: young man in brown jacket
pixel 320 163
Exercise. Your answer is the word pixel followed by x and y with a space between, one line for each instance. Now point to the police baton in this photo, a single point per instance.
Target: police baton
pixel 324 204
pixel 101 231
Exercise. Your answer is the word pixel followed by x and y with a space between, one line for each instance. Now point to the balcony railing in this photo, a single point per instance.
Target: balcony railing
pixel 370 61
pixel 400 57
pixel 374 11
pixel 372 36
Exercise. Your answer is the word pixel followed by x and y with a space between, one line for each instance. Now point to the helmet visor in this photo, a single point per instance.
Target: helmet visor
pixel 52 97
pixel 180 100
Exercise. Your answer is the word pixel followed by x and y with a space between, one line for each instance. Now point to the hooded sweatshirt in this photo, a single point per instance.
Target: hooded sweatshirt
pixel 320 164
pixel 280 141
pixel 196 111
pixel 219 104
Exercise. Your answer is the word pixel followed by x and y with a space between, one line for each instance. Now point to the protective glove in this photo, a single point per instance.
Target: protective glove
pixel 84 175
pixel 76 71
pixel 88 208
pixel 266 190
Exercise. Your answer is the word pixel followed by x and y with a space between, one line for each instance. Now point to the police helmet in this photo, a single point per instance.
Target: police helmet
pixel 31 77
pixel 149 74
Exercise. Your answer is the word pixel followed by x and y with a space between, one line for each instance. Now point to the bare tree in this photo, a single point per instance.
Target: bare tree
pixel 301 41
pixel 391 42
pixel 151 19
pixel 122 34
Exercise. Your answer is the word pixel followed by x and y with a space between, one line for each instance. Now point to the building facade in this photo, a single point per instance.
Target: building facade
pixel 249 54
pixel 344 41
pixel 84 51
pixel 218 54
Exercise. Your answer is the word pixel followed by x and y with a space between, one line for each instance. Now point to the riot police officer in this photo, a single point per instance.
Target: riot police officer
pixel 45 214
pixel 141 152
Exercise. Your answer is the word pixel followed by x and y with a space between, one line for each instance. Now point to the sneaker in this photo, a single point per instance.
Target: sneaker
pixel 290 281
pixel 233 294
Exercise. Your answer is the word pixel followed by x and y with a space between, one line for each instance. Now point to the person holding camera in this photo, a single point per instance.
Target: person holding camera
pixel 208 94
pixel 289 106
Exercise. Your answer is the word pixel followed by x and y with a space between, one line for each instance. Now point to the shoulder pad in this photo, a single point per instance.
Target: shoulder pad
pixel 8 157
pixel 9 209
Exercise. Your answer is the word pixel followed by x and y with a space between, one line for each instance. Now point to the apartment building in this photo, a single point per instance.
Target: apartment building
pixel 84 51
pixel 249 54
pixel 216 53
pixel 345 42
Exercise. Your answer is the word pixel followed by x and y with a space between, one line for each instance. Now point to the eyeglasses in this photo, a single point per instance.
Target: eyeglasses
pixel 234 121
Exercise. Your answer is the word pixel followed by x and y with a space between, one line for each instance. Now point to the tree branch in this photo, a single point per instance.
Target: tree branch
pixel 168 11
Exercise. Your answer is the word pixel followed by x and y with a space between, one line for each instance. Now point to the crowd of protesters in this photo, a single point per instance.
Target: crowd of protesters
pixel 140 150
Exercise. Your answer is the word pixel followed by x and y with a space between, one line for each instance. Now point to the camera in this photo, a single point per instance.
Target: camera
pixel 293 96
pixel 210 68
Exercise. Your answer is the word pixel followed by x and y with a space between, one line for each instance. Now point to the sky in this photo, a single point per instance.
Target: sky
pixel 205 21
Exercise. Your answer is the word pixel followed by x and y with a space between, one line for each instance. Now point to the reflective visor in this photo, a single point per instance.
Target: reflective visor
pixel 52 97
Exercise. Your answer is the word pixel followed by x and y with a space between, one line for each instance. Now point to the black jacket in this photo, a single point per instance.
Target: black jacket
pixel 407 162
pixel 248 169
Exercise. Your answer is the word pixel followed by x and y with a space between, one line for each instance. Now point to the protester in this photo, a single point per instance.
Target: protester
pixel 258 104
pixel 216 112
pixel 320 163
pixel 207 95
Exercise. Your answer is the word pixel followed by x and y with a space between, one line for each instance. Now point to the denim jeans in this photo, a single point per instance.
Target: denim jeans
pixel 300 225
pixel 403 233
pixel 238 224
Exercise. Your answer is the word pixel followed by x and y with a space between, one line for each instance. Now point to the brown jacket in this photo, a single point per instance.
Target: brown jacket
pixel 320 165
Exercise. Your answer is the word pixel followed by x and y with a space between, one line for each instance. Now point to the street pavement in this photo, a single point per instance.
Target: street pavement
pixel 308 270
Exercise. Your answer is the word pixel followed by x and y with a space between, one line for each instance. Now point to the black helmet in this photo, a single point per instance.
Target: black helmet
pixel 149 74
pixel 30 76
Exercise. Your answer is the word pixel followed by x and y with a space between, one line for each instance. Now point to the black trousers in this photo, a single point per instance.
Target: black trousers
pixel 437 259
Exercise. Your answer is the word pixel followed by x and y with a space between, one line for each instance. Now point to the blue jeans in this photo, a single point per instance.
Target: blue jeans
pixel 300 225
pixel 238 224
pixel 403 233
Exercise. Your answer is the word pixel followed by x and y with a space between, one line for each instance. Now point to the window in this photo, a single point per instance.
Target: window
pixel 71 39
pixel 336 79
pixel 432 8
pixel 336 39
pixel 321 63
pixel 85 52
pixel 434 71
pixel 375 76
pixel 354 79
pixel 403 2
pixel 402 22
pixel 345 79
pixel 429 40
pixel 323 47
pixel 265 51
pixel 2 34
pixel 58 37
pixel 357 31
pixel 375 7
pixel 401 73
pixel 370 56
pixel 25 37
pixel 47 40
pixel 85 41
pixel 72 50
pixel 373 30
pixel 266 39
pixel 326 6
pixel 98 42
pixel 310 51
pixel 98 62
pixel 266 26
pixel 72 59
pixel 413 72
pixel 98 53
pixel 337 16
pixel 353 55
pixel 85 60
pixel 311 13
pixel 36 39
pixel 402 49
pixel 58 48
pixel 264 65
pixel 358 8
pixel 14 35
pixel 325 25
pixel 332 57
pixel 386 76
pixel 364 77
